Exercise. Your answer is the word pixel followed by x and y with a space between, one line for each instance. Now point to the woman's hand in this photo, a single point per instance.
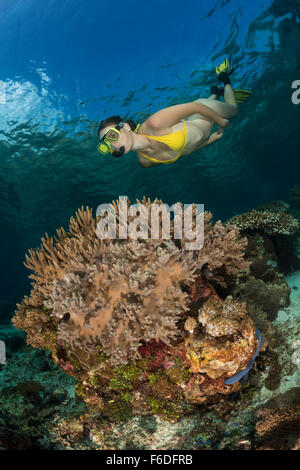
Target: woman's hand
pixel 213 137
pixel 216 135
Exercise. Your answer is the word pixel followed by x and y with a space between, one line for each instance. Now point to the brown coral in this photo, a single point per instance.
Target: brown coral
pixel 269 221
pixel 222 256
pixel 224 318
pixel 228 342
pixel 111 294
pixel 117 302
pixel 190 324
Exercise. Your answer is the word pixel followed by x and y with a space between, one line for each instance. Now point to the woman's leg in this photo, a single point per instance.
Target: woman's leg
pixel 227 110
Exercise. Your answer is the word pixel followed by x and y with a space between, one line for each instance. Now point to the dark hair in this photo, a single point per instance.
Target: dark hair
pixel 114 120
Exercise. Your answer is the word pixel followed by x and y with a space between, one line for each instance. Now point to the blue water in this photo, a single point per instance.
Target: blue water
pixel 65 65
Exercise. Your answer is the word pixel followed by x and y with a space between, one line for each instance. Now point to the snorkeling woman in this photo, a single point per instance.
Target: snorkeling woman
pixel 166 135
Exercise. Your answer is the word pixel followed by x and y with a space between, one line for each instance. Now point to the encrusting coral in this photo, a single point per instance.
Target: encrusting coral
pixel 225 318
pixel 213 351
pixel 112 313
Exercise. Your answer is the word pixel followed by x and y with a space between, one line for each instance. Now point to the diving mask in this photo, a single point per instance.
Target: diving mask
pixel 112 135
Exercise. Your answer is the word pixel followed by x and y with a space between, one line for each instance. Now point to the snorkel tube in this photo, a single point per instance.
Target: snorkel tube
pixel 118 153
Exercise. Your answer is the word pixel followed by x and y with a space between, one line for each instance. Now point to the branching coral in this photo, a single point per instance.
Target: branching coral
pixel 269 221
pixel 111 294
pixel 222 254
pixel 131 293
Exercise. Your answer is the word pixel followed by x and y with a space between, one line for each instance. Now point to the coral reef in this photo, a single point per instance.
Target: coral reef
pixel 260 319
pixel 61 422
pixel 268 221
pixel 271 256
pixel 222 255
pixel 268 252
pixel 121 299
pixel 220 343
pixel 112 314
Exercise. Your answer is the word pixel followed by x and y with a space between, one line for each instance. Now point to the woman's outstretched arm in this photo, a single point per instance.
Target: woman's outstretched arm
pixel 167 117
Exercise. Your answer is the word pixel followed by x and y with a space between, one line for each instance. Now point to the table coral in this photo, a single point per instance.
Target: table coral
pixel 269 221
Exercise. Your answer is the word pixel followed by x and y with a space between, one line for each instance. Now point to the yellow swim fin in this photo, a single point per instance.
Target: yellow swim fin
pixel 241 95
pixel 224 67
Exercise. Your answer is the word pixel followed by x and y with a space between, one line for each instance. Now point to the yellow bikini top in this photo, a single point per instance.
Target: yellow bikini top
pixel 175 140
